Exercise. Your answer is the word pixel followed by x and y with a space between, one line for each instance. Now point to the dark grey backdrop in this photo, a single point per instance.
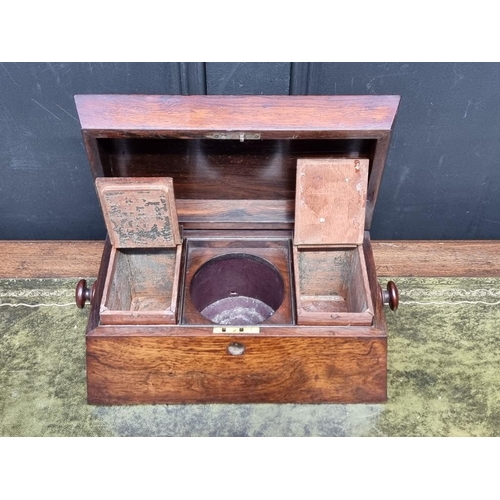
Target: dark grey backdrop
pixel 442 179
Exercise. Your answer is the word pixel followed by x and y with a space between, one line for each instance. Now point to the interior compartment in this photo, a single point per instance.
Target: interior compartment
pixel 332 286
pixel 237 289
pixel 141 286
pixel 211 169
pixel 237 281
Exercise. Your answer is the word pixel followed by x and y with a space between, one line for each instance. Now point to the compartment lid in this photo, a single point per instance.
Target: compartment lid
pixel 139 212
pixel 330 201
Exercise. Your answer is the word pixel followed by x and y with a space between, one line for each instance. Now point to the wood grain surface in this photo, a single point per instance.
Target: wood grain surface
pixel 330 201
pixel 212 113
pixel 141 287
pixel 50 259
pixel 437 258
pixel 136 364
pixel 205 169
pixel 73 259
pixel 332 287
pixel 134 370
pixel 139 212
pixel 233 133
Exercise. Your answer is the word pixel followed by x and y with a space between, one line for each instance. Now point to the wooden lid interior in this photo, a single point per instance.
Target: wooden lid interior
pixel 330 202
pixel 139 212
pixel 234 152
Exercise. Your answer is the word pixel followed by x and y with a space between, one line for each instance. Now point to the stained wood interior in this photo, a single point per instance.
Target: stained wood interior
pixel 139 212
pixel 236 214
pixel 331 281
pixel 207 169
pixel 330 201
pixel 142 281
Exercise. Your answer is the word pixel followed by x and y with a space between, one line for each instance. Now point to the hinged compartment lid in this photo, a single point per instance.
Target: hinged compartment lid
pixel 330 201
pixel 139 212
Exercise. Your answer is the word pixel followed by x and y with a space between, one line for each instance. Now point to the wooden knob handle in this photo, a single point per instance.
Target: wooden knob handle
pixel 391 295
pixel 82 294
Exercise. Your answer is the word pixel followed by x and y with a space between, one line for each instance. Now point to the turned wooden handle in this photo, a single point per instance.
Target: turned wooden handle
pixel 83 293
pixel 391 295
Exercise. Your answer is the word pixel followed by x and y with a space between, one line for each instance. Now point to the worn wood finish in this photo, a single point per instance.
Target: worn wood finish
pixel 139 212
pixel 189 363
pixel 142 281
pixel 94 154
pixel 358 293
pixel 270 331
pixel 235 214
pixel 376 172
pixel 151 114
pixel 331 283
pixel 450 258
pixel 332 287
pixel 199 369
pixel 50 259
pixel 330 202
pixel 95 306
pixel 378 306
pixel 141 287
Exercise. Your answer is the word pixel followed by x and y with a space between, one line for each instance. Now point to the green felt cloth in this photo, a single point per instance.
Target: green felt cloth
pixel 444 374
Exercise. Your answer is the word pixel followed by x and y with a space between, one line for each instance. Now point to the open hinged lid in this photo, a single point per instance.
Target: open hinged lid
pixel 233 158
pixel 139 212
pixel 330 202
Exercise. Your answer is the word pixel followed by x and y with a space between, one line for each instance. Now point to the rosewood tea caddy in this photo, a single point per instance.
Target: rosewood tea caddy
pixel 238 266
